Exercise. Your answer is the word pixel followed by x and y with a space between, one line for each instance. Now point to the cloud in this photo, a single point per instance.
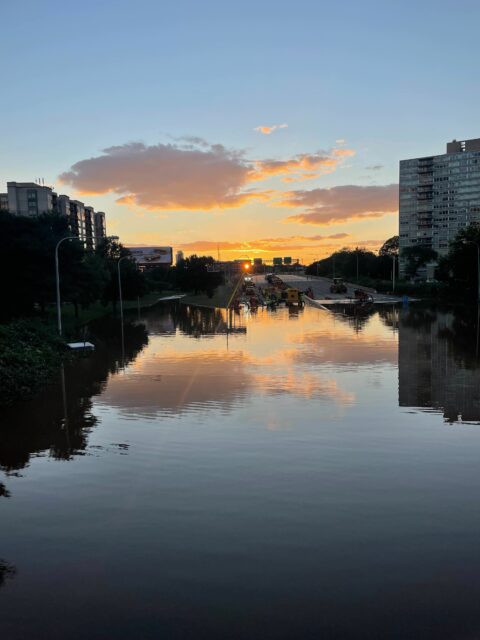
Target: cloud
pixel 268 130
pixel 175 176
pixel 262 245
pixel 304 166
pixel 374 167
pixel 191 174
pixel 340 141
pixel 339 204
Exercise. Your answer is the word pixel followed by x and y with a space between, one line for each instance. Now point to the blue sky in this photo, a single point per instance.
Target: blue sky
pixel 392 79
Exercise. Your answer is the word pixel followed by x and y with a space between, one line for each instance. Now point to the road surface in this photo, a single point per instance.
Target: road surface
pixel 321 287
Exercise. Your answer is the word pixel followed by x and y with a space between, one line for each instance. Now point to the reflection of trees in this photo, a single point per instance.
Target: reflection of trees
pixel 194 321
pixel 7 572
pixel 463 336
pixel 356 316
pixel 4 492
pixel 59 419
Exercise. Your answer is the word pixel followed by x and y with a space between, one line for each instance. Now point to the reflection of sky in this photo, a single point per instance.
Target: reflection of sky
pixel 305 359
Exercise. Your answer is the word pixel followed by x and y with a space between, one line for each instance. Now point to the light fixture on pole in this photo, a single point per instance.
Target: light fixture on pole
pixel 57 282
pixel 57 274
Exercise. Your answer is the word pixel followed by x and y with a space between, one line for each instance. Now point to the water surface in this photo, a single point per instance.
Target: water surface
pixel 303 475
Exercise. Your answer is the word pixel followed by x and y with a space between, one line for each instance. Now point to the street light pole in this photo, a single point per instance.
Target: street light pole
pixel 478 265
pixel 120 285
pixel 393 273
pixel 57 274
pixel 57 279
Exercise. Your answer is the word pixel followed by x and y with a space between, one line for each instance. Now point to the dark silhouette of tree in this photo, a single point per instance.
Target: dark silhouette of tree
pixel 197 273
pixel 416 257
pixel 109 253
pixel 459 268
pixel 390 247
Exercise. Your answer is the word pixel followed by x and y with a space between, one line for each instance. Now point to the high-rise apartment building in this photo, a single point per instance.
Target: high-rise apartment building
pixel 439 195
pixel 30 199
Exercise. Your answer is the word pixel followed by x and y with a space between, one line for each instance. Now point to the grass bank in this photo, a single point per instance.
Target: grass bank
pixel 30 352
pixel 220 297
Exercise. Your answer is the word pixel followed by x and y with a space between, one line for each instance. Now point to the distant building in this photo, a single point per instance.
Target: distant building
pixel 151 257
pixel 179 257
pixel 31 199
pixel 439 195
pixel 3 201
pixel 100 225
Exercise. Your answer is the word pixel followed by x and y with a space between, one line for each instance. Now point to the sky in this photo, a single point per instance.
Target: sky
pixel 237 129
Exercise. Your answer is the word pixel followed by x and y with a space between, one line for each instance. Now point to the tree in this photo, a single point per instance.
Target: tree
pixel 196 273
pixel 133 281
pixel 417 256
pixel 459 267
pixel 27 260
pixel 390 247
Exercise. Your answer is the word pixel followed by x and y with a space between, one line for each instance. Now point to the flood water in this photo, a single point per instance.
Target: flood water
pixel 308 475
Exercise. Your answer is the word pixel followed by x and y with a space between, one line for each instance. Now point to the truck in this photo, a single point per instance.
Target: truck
pixel 338 286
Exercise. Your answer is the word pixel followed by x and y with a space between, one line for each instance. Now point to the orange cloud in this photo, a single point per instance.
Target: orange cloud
pixel 343 203
pixel 191 174
pixel 264 245
pixel 268 130
pixel 304 166
pixel 178 176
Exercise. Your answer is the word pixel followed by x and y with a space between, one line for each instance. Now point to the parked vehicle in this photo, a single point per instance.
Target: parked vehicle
pixel 338 286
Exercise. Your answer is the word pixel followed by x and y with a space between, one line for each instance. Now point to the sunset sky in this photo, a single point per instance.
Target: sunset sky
pixel 264 128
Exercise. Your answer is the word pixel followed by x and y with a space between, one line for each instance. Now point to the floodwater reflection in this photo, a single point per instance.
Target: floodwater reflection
pixel 58 421
pixel 268 475
pixel 438 363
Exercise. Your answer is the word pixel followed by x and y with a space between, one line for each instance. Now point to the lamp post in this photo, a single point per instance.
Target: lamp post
pixel 57 274
pixel 57 279
pixel 478 265
pixel 120 286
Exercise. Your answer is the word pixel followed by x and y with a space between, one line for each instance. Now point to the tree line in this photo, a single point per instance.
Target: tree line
pixel 456 273
pixel 27 262
pixel 358 263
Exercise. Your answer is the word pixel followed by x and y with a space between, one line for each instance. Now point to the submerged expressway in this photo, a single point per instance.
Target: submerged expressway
pixel 321 287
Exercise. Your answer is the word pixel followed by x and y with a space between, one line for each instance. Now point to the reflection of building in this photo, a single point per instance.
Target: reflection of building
pixel 439 195
pixel 432 372
pixel 31 199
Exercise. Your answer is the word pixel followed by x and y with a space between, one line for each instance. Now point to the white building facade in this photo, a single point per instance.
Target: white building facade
pixel 31 199
pixel 439 195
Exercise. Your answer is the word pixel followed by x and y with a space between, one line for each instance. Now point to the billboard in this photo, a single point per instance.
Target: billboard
pixel 150 257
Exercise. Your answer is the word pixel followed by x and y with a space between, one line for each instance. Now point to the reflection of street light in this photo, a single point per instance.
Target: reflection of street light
pixel 478 265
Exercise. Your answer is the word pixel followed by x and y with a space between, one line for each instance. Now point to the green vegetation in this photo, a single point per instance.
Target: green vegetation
pixel 347 263
pixel 29 354
pixel 456 274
